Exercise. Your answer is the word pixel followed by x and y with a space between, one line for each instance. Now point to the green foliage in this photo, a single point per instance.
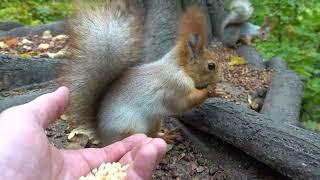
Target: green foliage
pixel 34 12
pixel 296 38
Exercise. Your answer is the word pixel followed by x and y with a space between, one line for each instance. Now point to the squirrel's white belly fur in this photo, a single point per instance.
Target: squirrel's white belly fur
pixel 142 96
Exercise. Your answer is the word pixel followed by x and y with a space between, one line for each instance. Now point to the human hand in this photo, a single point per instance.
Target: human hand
pixel 25 152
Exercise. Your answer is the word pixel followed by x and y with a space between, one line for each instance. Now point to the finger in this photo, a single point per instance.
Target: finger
pixel 87 159
pixel 49 107
pixel 129 157
pixel 145 159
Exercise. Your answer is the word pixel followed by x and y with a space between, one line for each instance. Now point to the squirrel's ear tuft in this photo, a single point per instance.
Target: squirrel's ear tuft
pixel 191 38
pixel 193 44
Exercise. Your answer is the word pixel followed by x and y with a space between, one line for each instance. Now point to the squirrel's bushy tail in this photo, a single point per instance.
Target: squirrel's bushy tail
pixel 240 12
pixel 105 39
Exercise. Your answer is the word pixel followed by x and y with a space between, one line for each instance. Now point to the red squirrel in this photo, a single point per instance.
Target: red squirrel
pixel 119 99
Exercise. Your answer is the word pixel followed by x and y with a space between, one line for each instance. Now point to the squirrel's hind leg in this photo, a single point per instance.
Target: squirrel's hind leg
pixel 169 136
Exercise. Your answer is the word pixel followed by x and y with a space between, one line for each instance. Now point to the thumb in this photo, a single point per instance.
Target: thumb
pixel 49 107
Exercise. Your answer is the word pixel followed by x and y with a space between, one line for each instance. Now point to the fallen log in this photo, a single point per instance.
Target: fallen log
pixel 27 94
pixel 233 161
pixel 16 72
pixel 293 151
pixel 283 100
pixel 252 56
pixel 55 28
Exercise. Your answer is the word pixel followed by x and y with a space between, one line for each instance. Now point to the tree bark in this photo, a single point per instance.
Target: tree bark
pixel 26 94
pixel 293 151
pixel 16 72
pixel 55 28
pixel 233 161
pixel 161 24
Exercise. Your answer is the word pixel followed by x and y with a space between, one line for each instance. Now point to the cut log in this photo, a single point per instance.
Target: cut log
pixel 7 26
pixel 36 90
pixel 293 151
pixel 283 100
pixel 55 28
pixel 16 72
pixel 252 56
pixel 236 163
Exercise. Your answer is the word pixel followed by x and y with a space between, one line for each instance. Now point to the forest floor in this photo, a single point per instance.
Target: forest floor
pixel 183 160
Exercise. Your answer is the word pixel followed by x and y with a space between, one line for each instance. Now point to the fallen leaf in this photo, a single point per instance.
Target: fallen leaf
pixel 46 35
pixel 237 60
pixel 43 46
pixel 60 37
pixel 27 47
pixel 26 41
pixel 64 117
pixel 25 55
pixel 12 42
pixel 3 45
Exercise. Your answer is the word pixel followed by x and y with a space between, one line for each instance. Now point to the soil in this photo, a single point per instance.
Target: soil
pixel 183 160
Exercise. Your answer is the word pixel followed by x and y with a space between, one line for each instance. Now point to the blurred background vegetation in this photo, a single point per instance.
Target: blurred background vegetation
pixel 296 37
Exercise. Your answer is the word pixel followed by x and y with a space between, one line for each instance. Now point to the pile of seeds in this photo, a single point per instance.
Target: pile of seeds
pixel 107 171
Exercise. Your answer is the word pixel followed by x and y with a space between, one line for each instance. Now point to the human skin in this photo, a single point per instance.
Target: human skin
pixel 26 153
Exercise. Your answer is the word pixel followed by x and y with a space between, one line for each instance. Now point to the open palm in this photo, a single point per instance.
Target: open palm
pixel 25 152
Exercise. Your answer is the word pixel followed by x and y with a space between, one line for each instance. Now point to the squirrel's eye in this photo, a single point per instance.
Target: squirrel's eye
pixel 211 66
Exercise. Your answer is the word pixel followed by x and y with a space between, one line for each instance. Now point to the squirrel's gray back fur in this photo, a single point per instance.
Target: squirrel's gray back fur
pixel 141 97
pixel 105 40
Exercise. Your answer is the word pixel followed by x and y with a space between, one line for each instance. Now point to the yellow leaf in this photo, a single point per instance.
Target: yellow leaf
pixel 43 46
pixel 237 60
pixel 3 45
pixel 25 55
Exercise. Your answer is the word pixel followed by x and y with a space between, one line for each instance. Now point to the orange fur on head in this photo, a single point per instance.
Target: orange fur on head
pixel 192 21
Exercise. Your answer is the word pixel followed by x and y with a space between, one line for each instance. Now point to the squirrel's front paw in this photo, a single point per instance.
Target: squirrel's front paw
pixel 214 91
pixel 170 136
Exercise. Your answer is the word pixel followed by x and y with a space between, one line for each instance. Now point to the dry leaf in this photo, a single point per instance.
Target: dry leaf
pixel 3 45
pixel 64 117
pixel 60 37
pixel 43 46
pixel 26 41
pixel 28 48
pixel 46 35
pixel 237 60
pixel 25 55
pixel 12 42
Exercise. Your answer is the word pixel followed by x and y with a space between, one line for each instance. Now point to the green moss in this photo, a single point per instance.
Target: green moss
pixel 34 12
